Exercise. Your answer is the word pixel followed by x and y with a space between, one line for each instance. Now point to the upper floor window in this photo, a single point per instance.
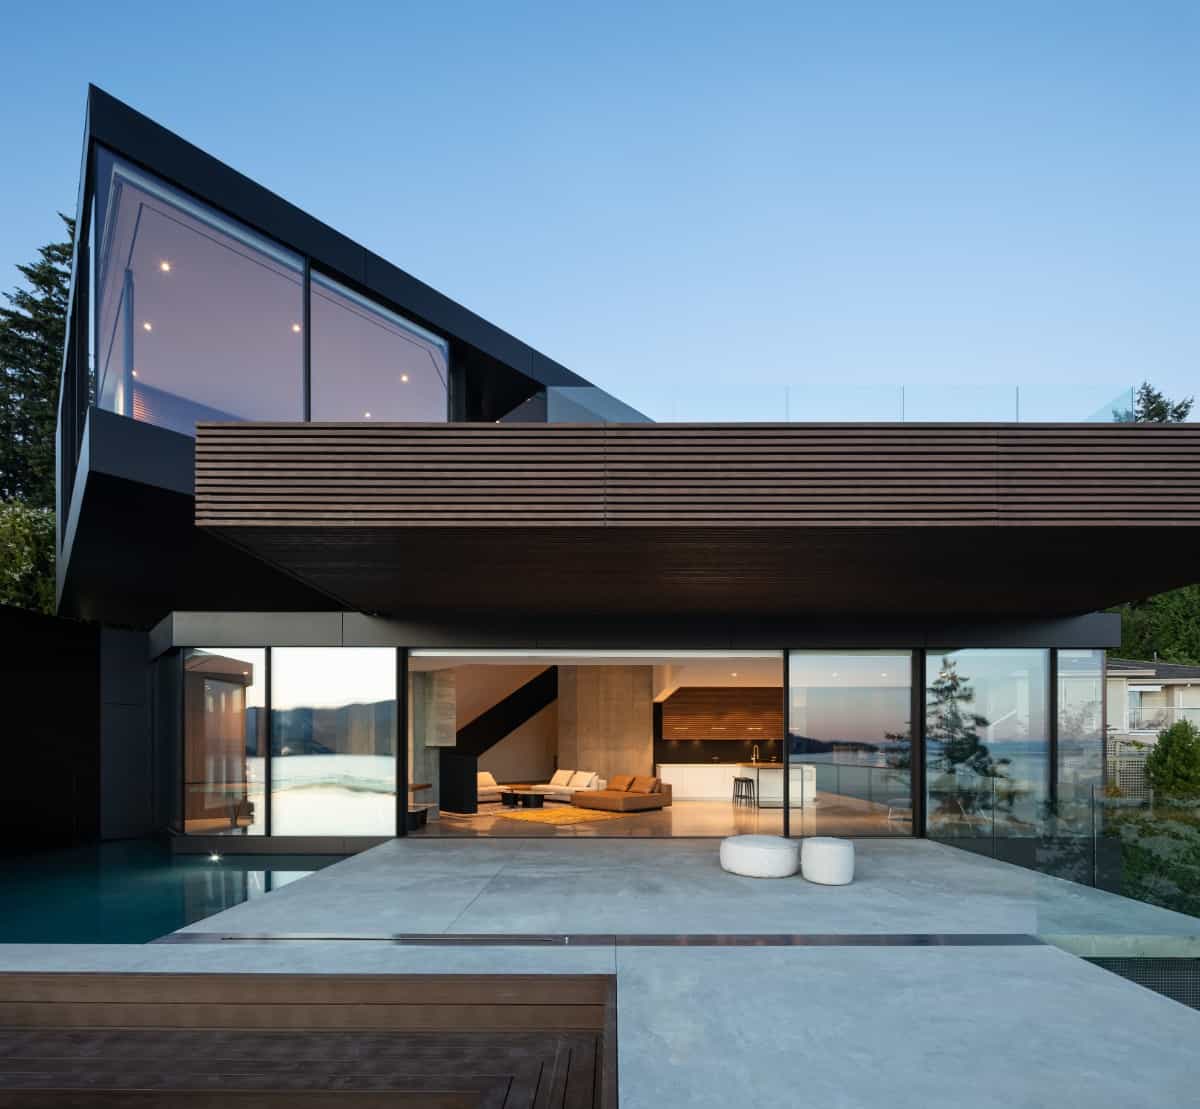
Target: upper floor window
pixel 197 317
pixel 371 364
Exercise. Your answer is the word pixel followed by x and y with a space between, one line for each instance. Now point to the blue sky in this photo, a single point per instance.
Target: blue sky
pixel 680 201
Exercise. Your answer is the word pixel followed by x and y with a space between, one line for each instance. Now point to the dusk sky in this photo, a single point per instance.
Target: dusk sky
pixel 679 200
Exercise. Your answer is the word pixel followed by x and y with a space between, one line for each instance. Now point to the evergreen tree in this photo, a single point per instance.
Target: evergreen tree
pixel 1173 766
pixel 953 729
pixel 1151 407
pixel 1166 626
pixel 32 331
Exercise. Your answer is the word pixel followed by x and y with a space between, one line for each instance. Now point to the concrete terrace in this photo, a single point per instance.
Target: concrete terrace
pixel 899 1002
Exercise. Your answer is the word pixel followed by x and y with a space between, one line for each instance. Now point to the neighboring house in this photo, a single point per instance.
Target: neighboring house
pixel 1146 697
pixel 313 501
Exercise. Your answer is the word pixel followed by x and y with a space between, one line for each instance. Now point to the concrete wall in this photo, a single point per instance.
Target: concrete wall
pixel 605 719
pixel 527 754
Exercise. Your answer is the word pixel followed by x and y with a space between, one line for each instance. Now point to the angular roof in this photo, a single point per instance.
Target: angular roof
pixel 1144 668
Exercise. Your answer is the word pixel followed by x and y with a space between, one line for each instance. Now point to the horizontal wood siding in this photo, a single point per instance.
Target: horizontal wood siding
pixel 696 476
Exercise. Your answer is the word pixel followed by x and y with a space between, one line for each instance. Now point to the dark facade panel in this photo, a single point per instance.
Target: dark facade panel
pixel 682 632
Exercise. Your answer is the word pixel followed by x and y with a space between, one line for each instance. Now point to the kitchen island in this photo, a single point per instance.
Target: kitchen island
pixel 713 781
pixel 768 783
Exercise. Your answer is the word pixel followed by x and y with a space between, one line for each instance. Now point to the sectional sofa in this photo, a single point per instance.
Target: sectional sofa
pixel 626 793
pixel 562 787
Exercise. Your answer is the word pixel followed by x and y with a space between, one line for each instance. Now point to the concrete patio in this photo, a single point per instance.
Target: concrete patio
pixel 918 985
pixel 903 886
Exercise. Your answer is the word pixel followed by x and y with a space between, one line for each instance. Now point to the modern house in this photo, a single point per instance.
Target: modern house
pixel 354 547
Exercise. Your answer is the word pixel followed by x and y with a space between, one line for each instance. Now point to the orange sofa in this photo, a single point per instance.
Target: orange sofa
pixel 625 793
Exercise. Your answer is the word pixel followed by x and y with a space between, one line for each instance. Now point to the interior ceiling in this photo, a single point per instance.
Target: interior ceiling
pixel 672 671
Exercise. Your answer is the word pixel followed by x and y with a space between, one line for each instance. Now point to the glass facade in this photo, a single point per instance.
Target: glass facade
pixel 1003 760
pixel 850 742
pixel 987 742
pixel 224 736
pixel 333 741
pixel 1080 726
pixel 372 364
pixel 196 316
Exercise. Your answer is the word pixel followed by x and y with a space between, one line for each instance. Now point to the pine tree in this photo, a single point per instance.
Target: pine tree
pixel 1150 406
pixel 952 733
pixel 32 331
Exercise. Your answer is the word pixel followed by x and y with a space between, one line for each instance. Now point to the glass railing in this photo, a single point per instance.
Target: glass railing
pixel 1156 720
pixel 1146 848
pixel 674 401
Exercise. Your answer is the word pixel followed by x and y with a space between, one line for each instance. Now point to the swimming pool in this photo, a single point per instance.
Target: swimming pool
pixel 131 891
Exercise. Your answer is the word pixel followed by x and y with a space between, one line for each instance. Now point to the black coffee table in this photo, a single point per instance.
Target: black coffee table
pixel 522 799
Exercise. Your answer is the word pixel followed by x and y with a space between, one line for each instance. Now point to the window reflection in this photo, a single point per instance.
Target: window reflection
pixel 197 317
pixel 987 742
pixel 371 364
pixel 850 742
pixel 224 732
pixel 1080 728
pixel 333 741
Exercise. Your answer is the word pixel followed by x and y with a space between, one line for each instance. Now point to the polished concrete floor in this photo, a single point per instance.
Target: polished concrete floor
pixel 831 816
pixel 889 1008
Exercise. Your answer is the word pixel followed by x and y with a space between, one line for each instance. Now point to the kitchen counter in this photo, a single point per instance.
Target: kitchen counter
pixel 768 784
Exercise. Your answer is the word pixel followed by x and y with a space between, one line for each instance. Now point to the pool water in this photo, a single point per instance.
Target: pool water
pixel 132 891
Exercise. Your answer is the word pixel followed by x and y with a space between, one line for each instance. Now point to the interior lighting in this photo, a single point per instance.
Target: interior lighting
pixel 295 329
pixel 404 378
pixel 165 266
pixel 733 674
pixel 214 857
pixel 366 415
pixel 135 373
pixel 147 326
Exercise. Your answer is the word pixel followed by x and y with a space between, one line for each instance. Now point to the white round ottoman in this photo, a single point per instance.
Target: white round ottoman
pixel 760 856
pixel 827 861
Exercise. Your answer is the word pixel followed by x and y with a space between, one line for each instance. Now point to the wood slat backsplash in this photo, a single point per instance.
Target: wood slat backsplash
pixel 752 713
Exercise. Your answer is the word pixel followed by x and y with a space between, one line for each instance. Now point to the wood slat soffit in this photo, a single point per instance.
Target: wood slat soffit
pixel 696 476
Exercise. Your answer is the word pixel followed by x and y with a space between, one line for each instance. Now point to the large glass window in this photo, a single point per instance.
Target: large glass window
pixel 850 742
pixel 371 364
pixel 986 742
pixel 333 741
pixel 224 741
pixel 1080 735
pixel 197 317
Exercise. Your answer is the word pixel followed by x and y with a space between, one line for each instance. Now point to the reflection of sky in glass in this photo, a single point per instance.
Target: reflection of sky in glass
pixel 328 677
pixel 853 696
pixel 256 660
pixel 1010 686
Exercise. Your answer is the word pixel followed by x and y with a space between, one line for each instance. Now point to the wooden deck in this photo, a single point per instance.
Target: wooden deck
pixel 200 1040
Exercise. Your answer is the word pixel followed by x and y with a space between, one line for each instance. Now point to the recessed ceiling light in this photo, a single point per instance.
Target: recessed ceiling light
pixel 884 674
pixel 733 674
pixel 214 858
pixel 404 377
pixel 366 415
pixel 835 673
pixel 147 326
pixel 165 266
pixel 296 329
pixel 135 373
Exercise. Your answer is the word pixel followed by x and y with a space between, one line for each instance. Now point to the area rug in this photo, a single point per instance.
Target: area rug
pixel 559 816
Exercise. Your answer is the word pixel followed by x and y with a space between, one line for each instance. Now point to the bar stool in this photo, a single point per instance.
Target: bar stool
pixel 743 790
